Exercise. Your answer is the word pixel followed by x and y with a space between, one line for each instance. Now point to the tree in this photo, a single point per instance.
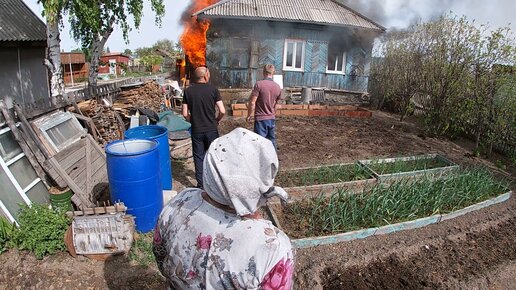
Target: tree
pixel 461 75
pixel 52 12
pixel 92 23
pixel 128 52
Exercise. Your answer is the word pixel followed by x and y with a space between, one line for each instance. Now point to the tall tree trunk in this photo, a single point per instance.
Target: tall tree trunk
pixel 53 62
pixel 97 47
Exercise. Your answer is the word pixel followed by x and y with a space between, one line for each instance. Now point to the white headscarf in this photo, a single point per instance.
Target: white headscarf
pixel 239 171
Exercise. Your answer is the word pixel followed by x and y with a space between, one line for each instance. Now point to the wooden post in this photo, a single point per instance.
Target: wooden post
pixel 25 148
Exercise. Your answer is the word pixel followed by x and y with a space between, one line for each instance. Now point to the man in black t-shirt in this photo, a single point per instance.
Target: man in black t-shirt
pixel 199 102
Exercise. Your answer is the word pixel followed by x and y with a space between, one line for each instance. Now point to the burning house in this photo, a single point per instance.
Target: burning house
pixel 312 43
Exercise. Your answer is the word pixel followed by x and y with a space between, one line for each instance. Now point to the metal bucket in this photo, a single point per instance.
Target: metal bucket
pixel 159 134
pixel 135 179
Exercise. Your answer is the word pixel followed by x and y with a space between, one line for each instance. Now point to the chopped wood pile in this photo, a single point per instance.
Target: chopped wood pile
pixel 148 96
pixel 104 118
pixel 111 122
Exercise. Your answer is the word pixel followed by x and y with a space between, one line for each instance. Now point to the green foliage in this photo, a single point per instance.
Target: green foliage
pixel 7 231
pixel 399 201
pixel 321 175
pixel 164 45
pixel 151 60
pixel 41 230
pixel 141 251
pixel 461 76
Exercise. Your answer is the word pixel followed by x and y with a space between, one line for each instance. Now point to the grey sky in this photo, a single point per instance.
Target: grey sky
pixel 389 13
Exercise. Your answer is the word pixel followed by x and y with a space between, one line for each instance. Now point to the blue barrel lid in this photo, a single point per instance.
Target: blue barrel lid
pixel 147 131
pixel 130 147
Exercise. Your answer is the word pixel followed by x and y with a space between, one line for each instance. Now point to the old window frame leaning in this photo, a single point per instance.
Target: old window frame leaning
pixel 294 64
pixel 48 128
pixel 6 163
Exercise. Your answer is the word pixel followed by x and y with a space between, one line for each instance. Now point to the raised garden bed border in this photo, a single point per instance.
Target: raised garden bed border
pixel 438 171
pixel 299 192
pixel 364 233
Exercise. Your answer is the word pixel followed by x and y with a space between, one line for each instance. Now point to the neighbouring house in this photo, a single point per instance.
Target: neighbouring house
pixel 113 63
pixel 75 67
pixel 23 81
pixel 312 43
pixel 23 41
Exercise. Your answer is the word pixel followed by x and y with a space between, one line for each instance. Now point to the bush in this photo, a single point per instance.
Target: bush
pixel 6 234
pixel 41 230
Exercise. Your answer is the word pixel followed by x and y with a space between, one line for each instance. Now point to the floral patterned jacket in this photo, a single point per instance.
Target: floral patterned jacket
pixel 199 246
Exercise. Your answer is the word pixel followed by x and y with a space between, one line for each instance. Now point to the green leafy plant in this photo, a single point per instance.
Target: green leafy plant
pixel 386 204
pixel 7 231
pixel 41 230
pixel 321 175
pixel 141 251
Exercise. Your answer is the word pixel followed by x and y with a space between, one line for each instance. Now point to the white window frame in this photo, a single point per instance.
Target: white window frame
pixel 342 70
pixel 296 42
pixel 4 166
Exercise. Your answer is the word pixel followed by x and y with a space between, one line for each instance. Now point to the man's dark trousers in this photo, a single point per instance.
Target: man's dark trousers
pixel 200 144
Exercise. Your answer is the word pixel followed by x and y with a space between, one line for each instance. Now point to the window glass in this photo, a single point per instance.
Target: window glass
pixel 9 148
pixel 294 54
pixel 299 54
pixel 10 197
pixel 290 53
pixel 39 193
pixel 336 57
pixel 23 172
pixel 63 132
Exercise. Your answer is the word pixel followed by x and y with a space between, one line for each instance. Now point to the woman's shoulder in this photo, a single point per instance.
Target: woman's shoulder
pixel 259 230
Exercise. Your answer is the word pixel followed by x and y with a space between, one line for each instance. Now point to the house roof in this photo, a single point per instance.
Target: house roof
pixel 19 23
pixel 325 12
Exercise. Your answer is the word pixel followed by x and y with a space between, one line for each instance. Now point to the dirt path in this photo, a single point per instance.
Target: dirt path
pixel 476 251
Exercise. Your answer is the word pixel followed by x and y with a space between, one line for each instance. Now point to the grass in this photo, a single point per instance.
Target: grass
pixel 321 175
pixel 386 204
pixel 400 166
pixel 141 251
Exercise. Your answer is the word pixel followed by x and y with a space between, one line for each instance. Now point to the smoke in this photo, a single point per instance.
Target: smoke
pixel 399 14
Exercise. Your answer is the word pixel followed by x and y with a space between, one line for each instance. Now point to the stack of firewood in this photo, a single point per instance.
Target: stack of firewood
pixel 149 96
pixel 104 118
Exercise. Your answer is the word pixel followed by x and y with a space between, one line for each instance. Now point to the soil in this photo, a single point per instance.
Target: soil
pixel 475 251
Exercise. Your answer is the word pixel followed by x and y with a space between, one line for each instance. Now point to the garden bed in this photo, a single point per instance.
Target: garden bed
pixel 395 168
pixel 312 181
pixel 400 205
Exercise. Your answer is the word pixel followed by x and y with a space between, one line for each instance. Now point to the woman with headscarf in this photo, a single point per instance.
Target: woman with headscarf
pixel 215 238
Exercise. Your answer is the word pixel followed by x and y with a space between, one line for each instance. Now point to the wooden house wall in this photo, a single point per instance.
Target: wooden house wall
pixel 24 78
pixel 270 40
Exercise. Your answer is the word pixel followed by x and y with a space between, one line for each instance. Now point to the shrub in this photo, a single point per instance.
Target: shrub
pixel 7 230
pixel 41 230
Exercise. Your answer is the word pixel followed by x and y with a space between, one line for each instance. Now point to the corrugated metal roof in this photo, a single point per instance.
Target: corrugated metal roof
pixel 19 23
pixel 327 12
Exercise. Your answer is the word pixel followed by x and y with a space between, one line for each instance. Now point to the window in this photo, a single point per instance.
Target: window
pixel 59 130
pixel 20 184
pixel 336 60
pixel 239 57
pixel 294 55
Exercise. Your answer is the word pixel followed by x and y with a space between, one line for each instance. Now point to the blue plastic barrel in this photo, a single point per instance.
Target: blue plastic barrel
pixel 135 179
pixel 160 134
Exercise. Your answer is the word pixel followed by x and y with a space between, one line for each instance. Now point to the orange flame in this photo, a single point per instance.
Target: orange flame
pixel 193 39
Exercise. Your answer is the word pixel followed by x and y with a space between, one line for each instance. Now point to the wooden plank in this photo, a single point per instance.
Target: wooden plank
pixel 119 207
pixel 71 155
pixel 24 146
pixel 88 167
pixel 28 128
pixel 88 121
pixel 96 146
pixel 73 186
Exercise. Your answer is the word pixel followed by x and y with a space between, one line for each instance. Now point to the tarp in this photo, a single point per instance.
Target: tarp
pixel 173 121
